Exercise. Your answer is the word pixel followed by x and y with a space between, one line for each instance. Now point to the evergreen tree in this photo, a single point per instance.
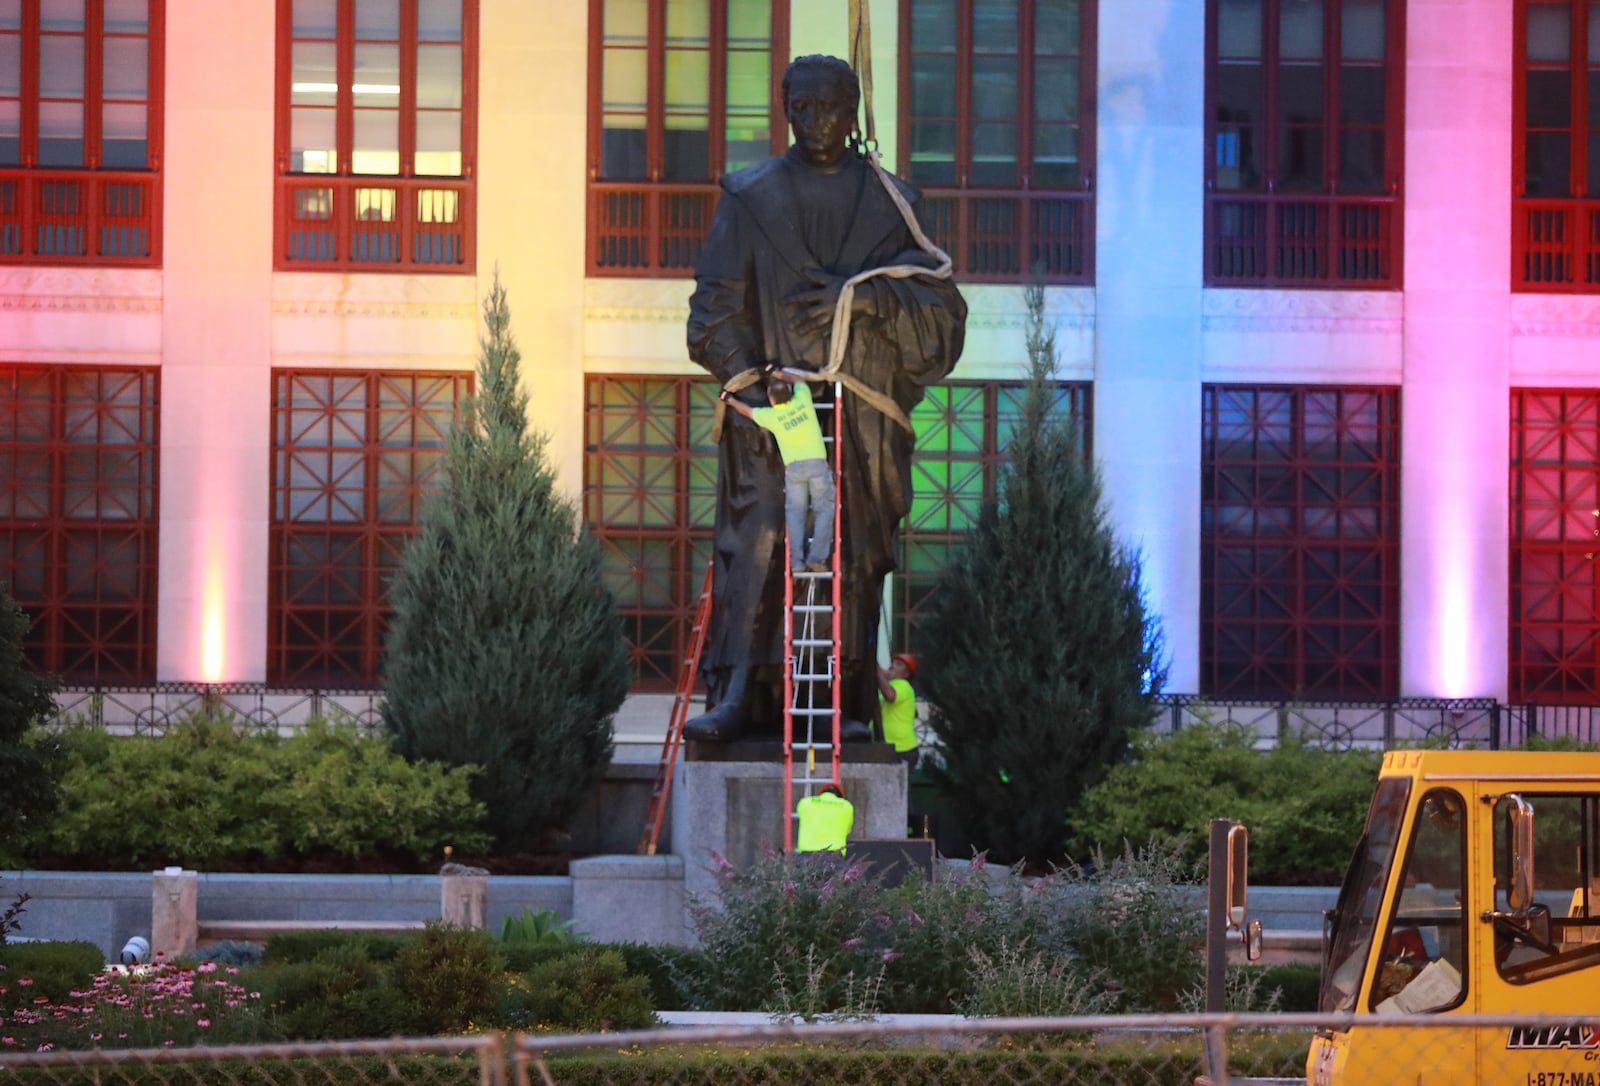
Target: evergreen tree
pixel 505 650
pixel 30 764
pixel 1039 656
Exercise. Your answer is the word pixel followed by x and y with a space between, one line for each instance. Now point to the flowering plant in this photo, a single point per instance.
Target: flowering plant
pixel 162 1004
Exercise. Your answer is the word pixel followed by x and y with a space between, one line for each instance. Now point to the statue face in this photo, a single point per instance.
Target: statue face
pixel 819 112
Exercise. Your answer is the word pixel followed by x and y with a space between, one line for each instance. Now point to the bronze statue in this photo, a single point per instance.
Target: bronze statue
pixel 786 235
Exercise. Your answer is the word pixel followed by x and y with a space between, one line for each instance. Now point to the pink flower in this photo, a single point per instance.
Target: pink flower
pixel 206 967
pixel 8 1041
pixel 788 889
pixel 889 955
pixel 853 942
pixel 916 921
pixel 25 982
pixel 45 1046
pixel 203 1023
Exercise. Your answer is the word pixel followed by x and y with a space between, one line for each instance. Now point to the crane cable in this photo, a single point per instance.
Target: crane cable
pixel 839 334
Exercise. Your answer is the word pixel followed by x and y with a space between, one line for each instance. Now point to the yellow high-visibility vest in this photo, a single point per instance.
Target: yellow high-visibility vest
pixel 825 822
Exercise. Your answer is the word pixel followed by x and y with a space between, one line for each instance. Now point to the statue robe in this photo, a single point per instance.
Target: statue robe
pixel 783 226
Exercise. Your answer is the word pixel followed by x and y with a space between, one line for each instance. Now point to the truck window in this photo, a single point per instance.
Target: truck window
pixel 1421 963
pixel 1566 895
pixel 1353 920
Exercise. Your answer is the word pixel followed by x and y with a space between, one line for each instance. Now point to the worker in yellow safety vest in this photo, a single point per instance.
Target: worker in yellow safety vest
pixel 825 821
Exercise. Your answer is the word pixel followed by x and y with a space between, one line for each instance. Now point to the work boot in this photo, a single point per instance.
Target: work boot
pixel 726 720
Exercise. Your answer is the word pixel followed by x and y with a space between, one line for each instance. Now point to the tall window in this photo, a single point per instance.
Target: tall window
pixel 352 455
pixel 377 126
pixel 963 429
pixel 649 495
pixel 80 131
pixel 1304 127
pixel 78 517
pixel 998 130
pixel 680 92
pixel 1555 541
pixel 1300 542
pixel 1556 148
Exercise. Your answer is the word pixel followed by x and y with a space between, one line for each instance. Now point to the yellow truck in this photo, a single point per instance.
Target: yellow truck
pixel 1475 889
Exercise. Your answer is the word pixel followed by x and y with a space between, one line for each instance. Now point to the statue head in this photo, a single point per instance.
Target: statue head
pixel 820 96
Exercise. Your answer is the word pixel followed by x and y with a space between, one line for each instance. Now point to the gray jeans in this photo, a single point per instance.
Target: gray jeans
pixel 809 483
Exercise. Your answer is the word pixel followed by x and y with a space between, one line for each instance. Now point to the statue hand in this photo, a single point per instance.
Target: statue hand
pixel 812 307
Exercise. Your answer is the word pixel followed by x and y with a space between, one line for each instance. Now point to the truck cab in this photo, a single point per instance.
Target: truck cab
pixel 1474 889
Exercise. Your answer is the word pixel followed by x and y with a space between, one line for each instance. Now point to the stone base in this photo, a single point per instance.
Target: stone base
pixel 736 809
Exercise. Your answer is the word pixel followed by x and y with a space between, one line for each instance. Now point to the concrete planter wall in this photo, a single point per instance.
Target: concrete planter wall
pixel 612 898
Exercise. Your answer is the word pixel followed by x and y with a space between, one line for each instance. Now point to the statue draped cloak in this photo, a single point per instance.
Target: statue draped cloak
pixel 780 227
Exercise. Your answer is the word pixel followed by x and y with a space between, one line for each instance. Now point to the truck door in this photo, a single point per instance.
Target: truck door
pixel 1420 958
pixel 1548 963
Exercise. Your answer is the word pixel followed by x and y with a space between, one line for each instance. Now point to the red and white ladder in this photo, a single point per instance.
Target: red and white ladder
pixel 812 661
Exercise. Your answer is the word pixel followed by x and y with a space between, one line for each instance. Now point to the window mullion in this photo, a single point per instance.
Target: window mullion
pixel 717 92
pixel 94 40
pixel 1027 41
pixel 344 30
pixel 1578 110
pixel 31 43
pixel 1269 97
pixel 408 90
pixel 656 95
pixel 1332 105
pixel 964 35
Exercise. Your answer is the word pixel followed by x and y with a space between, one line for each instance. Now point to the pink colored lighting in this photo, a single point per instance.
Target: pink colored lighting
pixel 213 618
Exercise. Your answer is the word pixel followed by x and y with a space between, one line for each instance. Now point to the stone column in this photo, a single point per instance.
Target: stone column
pixel 174 920
pixel 464 896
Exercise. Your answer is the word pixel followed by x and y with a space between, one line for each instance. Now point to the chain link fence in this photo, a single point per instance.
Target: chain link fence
pixel 1179 1050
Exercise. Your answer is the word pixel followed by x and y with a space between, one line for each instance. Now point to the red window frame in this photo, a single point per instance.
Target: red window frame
pixel 1555 232
pixel 652 226
pixel 1274 230
pixel 1554 655
pixel 376 222
pixel 353 455
pixel 79 517
pixel 1012 233
pixel 88 213
pixel 1300 541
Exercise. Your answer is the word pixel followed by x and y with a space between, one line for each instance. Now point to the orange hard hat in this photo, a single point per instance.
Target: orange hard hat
pixel 909 660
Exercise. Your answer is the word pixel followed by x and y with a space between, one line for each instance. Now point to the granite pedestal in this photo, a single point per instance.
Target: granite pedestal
pixel 728 798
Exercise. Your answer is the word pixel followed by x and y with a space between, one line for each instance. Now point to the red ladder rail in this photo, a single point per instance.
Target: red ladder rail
pixel 657 813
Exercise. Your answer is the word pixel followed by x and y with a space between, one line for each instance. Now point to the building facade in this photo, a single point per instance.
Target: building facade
pixel 1325 276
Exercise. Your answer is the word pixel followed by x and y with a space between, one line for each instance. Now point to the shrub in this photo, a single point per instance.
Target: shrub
pixel 211 793
pixel 304 946
pixel 1040 657
pixel 505 649
pixel 1304 805
pixel 932 926
pixel 53 969
pixel 30 761
pixel 772 917
pixel 448 977
pixel 339 994
pixel 661 966
pixel 1138 920
pixel 587 991
pixel 1015 982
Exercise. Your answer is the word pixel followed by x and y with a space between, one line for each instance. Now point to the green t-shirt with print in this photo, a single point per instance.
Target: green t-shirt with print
pixel 795 426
